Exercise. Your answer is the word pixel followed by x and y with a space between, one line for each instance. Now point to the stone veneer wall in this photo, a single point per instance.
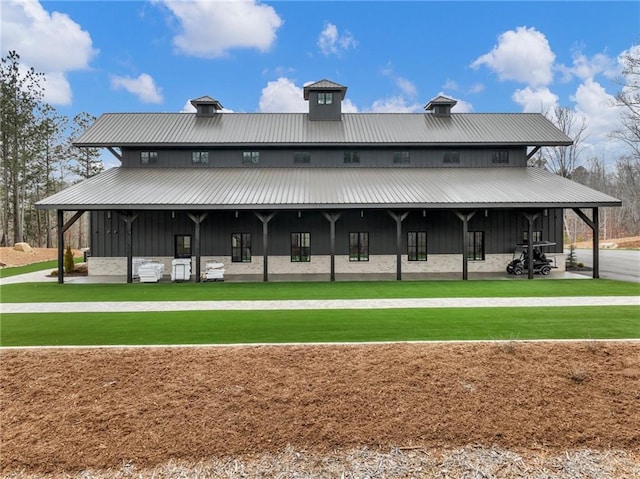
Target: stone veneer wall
pixel 379 264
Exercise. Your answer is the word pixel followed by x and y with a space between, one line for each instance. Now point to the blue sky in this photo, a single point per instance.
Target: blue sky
pixel 112 56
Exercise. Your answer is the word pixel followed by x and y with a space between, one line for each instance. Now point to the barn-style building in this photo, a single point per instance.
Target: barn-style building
pixel 323 195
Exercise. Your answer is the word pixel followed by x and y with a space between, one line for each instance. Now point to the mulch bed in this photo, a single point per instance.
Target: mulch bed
pixel 76 409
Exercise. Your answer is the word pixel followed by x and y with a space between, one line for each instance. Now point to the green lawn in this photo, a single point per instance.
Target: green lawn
pixel 206 327
pixel 53 292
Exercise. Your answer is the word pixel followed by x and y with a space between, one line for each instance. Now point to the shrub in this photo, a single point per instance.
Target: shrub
pixel 69 265
pixel 580 265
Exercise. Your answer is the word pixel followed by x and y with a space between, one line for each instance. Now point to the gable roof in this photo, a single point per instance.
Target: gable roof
pixel 440 100
pixel 279 129
pixel 324 85
pixel 325 188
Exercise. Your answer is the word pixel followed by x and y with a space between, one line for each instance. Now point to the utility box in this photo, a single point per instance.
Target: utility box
pixel 181 269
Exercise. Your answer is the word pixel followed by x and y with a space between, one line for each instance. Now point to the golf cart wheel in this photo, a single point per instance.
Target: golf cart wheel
pixel 517 270
pixel 510 269
pixel 545 270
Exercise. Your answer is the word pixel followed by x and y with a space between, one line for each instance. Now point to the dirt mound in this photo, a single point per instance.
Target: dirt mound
pixel 69 410
pixel 632 242
pixel 11 257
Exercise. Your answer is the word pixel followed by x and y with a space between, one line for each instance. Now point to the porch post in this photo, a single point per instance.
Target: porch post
pixel 530 219
pixel 197 219
pixel 60 246
pixel 399 218
pixel 129 218
pixel 594 224
pixel 332 218
pixel 465 233
pixel 265 222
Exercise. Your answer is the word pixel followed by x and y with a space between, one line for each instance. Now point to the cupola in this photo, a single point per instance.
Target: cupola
pixel 206 106
pixel 325 100
pixel 441 106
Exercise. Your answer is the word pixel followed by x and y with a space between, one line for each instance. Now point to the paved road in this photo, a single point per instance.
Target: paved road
pixel 618 264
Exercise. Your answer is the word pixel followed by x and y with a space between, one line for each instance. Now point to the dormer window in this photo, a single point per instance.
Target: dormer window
pixel 325 98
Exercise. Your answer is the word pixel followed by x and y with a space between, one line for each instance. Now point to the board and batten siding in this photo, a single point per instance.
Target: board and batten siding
pixel 153 232
pixel 327 157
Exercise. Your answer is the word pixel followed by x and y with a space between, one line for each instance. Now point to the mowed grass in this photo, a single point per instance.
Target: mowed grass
pixel 312 326
pixel 53 292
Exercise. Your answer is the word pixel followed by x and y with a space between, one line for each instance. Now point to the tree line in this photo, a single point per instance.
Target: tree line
pixel 39 159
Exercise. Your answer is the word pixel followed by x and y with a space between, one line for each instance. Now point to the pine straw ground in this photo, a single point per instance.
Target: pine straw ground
pixel 511 409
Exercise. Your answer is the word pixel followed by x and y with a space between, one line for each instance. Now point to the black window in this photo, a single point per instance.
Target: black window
pixel 451 157
pixel 537 236
pixel 241 247
pixel 182 246
pixel 302 157
pixel 475 245
pixel 300 247
pixel 401 157
pixel 351 157
pixel 200 157
pixel 417 245
pixel 359 246
pixel 148 157
pixel 325 98
pixel 250 157
pixel 500 157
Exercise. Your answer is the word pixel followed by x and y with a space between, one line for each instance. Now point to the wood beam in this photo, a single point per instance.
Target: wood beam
pixel 129 218
pixel 72 220
pixel 399 218
pixel 465 217
pixel 60 246
pixel 594 224
pixel 531 217
pixel 533 152
pixel 114 152
pixel 332 218
pixel 197 219
pixel 265 218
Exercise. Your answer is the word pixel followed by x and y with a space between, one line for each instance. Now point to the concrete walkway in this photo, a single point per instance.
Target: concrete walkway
pixel 406 303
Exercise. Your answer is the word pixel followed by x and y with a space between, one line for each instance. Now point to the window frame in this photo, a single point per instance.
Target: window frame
pixel 301 244
pixel 148 157
pixel 451 158
pixel 301 157
pixel 325 98
pixel 199 157
pixel 359 251
pixel 239 251
pixel 475 246
pixel 401 157
pixel 500 157
pixel 250 157
pixel 351 157
pixel 179 248
pixel 417 249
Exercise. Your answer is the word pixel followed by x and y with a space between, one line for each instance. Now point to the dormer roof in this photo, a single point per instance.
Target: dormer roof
pixel 440 100
pixel 325 85
pixel 206 100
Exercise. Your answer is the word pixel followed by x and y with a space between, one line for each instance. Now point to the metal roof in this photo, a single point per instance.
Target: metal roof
pixel 325 188
pixel 246 129
pixel 324 85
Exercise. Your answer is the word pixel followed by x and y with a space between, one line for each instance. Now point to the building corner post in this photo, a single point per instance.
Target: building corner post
pixel 465 236
pixel 596 243
pixel 60 246
pixel 265 244
pixel 399 218
pixel 332 218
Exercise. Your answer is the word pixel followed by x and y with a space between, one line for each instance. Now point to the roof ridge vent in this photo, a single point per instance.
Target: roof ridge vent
pixel 441 105
pixel 206 106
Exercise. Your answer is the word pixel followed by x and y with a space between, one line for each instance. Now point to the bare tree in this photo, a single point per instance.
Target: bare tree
pixel 563 160
pixel 629 99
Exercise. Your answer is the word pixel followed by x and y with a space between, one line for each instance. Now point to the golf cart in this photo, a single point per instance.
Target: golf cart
pixel 541 264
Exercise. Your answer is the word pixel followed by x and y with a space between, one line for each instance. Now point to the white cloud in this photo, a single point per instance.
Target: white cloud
pixel 51 43
pixel 348 106
pixel 394 104
pixel 143 87
pixel 407 87
pixel 282 96
pixel 331 42
pixel 523 55
pixel 211 28
pixel 597 106
pixel 535 100
pixel 476 88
